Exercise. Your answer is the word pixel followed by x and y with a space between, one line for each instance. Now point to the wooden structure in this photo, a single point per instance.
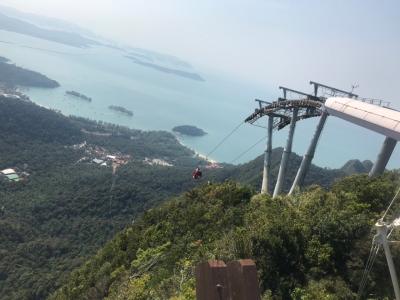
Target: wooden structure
pixel 235 281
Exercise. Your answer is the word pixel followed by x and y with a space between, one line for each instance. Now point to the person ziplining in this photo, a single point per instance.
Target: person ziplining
pixel 197 173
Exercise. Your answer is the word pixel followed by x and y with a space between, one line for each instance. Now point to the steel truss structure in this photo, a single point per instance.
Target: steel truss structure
pixel 287 111
pixel 282 110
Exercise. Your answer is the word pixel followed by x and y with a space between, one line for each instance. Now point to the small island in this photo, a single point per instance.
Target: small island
pixel 176 72
pixel 121 110
pixel 189 130
pixel 78 95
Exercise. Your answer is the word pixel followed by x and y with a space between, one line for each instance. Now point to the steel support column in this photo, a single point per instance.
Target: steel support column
pixel 307 158
pixel 286 155
pixel 381 238
pixel 266 181
pixel 383 157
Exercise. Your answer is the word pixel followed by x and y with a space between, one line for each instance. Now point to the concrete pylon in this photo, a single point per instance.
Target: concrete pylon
pixel 383 157
pixel 307 158
pixel 286 155
pixel 267 159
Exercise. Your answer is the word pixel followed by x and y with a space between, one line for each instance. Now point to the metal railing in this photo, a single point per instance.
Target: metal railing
pixel 377 102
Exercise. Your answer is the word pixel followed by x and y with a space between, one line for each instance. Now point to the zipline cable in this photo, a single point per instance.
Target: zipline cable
pixel 378 247
pixel 256 125
pixel 368 267
pixel 224 139
pixel 390 233
pixel 113 180
pixel 391 203
pixel 364 275
pixel 251 147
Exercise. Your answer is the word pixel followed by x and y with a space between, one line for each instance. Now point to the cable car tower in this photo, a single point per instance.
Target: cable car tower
pixel 373 114
pixel 286 111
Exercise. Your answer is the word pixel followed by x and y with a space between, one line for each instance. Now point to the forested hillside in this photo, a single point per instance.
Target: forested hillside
pixel 68 204
pixel 65 209
pixel 12 75
pixel 310 246
pixel 251 173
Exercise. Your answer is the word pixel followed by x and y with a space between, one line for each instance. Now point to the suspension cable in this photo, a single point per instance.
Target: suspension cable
pixel 391 203
pixel 390 233
pixel 374 255
pixel 251 147
pixel 368 267
pixel 256 125
pixel 224 139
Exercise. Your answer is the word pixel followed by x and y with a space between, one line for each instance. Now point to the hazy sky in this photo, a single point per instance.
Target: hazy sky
pixel 269 43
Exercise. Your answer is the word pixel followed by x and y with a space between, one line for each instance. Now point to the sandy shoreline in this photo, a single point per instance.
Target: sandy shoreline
pixel 197 154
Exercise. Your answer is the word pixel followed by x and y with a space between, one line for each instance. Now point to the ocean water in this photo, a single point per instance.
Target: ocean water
pixel 161 101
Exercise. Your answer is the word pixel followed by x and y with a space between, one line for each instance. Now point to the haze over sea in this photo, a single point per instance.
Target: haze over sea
pixel 161 101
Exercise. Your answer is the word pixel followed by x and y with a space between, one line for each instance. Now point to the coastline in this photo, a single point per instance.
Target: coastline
pixel 196 153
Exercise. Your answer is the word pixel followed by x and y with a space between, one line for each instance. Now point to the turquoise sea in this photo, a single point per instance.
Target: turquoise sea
pixel 161 101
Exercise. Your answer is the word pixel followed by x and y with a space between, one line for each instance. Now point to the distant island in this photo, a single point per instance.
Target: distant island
pixel 78 95
pixel 121 110
pixel 189 130
pixel 154 56
pixel 27 28
pixel 11 75
pixel 176 72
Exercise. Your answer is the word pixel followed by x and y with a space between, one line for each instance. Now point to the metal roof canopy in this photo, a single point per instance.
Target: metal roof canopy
pixel 379 119
pixel 282 111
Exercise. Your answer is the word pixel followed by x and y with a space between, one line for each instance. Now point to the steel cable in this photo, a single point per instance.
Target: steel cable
pixel 391 203
pixel 224 139
pixel 368 267
pixel 251 147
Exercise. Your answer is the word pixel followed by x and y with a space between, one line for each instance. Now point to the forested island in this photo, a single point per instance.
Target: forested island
pixel 121 110
pixel 185 74
pixel 189 130
pixel 79 95
pixel 12 75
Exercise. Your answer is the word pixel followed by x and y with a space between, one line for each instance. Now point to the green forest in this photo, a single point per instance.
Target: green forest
pixel 310 246
pixel 53 223
pixel 64 211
